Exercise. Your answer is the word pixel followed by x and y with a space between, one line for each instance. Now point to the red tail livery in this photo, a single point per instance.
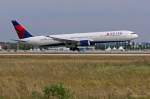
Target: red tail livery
pixel 21 31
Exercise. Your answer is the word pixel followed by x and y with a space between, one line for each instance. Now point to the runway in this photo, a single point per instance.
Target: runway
pixel 66 54
pixel 70 53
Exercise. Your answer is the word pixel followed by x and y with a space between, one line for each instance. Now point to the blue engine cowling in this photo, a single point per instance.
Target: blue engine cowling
pixel 84 43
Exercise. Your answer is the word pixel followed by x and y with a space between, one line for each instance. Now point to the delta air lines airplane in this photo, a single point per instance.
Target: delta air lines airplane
pixel 73 40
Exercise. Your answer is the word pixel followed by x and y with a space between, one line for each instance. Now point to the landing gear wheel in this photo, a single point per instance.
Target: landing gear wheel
pixel 74 49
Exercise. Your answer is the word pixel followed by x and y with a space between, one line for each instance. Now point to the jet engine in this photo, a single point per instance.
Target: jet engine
pixel 84 43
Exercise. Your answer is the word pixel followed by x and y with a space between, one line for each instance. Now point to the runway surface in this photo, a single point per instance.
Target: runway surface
pixel 86 53
pixel 38 54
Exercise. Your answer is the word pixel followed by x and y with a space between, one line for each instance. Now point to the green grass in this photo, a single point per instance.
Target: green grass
pixel 89 77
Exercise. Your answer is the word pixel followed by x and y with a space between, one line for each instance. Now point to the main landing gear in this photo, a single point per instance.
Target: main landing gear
pixel 74 49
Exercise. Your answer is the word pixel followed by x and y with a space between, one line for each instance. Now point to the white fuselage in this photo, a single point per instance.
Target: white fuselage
pixel 109 36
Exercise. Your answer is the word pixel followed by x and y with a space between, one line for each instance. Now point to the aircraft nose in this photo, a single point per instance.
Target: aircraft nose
pixel 136 35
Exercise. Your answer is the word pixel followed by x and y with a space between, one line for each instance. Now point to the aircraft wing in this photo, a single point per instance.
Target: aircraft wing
pixel 70 40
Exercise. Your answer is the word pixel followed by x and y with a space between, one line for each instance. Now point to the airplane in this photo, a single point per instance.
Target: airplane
pixel 74 40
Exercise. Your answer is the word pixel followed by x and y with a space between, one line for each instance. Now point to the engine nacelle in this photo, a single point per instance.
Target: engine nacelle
pixel 84 43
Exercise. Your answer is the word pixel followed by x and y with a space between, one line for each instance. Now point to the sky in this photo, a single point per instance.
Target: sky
pixel 46 17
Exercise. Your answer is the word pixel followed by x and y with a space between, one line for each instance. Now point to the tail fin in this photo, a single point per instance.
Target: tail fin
pixel 21 31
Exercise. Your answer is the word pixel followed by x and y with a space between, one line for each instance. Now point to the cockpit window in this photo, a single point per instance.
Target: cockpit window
pixel 133 33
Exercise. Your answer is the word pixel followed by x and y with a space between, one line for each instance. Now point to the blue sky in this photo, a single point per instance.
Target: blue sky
pixel 45 17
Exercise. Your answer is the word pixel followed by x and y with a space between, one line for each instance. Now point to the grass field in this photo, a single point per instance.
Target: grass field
pixel 88 77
